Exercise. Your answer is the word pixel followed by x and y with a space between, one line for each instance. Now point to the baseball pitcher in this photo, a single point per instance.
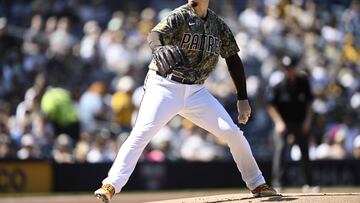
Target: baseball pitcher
pixel 186 47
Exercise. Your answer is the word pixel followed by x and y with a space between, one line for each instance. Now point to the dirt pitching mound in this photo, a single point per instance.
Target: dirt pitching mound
pixel 286 197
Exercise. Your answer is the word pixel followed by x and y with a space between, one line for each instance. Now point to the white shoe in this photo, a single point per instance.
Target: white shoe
pixel 105 193
pixel 278 189
pixel 310 189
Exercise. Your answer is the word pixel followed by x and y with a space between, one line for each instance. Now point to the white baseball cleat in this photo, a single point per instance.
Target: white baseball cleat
pixel 310 189
pixel 105 193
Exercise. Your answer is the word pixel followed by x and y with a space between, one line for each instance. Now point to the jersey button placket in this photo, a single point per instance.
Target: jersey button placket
pixel 206 29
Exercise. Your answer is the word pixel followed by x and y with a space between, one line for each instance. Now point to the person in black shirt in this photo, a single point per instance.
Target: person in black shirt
pixel 291 111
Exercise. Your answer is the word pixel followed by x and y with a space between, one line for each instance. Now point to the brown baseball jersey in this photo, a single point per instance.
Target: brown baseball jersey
pixel 202 41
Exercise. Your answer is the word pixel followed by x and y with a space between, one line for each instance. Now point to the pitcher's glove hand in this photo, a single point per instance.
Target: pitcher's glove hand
pixel 169 57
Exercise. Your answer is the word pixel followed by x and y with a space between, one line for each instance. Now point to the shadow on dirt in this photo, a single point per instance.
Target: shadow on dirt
pixel 327 194
pixel 269 199
pixel 295 197
pixel 279 199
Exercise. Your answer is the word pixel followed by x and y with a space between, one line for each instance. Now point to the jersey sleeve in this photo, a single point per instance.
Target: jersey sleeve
pixel 228 43
pixel 169 25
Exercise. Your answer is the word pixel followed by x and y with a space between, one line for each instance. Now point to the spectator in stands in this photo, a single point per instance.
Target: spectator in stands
pixel 50 27
pixel 357 147
pixel 43 133
pixel 146 21
pixel 82 148
pixel 115 23
pixel 61 40
pixel 337 150
pixel 92 109
pixel 350 52
pixel 58 107
pixel 5 146
pixel 351 21
pixel 121 103
pixel 29 148
pixel 63 146
pixel 116 55
pixel 89 50
pixel 100 150
pixel 250 18
pixel 27 108
pixel 33 36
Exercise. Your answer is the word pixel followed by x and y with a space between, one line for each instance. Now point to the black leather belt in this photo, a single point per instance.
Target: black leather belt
pixel 178 79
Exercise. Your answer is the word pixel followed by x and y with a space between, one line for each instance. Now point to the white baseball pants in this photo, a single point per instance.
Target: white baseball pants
pixel 162 100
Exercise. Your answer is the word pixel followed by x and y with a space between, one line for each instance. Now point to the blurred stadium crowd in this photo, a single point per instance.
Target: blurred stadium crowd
pixel 71 74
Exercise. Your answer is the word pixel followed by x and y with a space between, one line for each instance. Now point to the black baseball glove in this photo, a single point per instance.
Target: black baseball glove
pixel 169 57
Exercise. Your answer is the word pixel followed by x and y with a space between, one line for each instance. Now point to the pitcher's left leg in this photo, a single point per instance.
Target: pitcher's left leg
pixel 206 112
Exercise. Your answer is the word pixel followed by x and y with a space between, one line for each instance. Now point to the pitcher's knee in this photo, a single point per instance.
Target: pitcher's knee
pixel 142 134
pixel 232 134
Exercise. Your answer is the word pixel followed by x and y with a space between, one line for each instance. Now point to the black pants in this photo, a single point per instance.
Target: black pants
pixel 279 165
